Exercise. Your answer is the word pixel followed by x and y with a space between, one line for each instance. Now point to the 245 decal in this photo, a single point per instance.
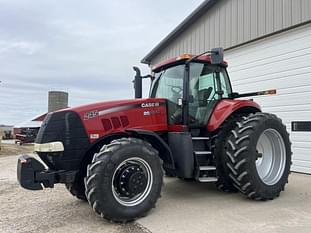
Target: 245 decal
pixel 90 115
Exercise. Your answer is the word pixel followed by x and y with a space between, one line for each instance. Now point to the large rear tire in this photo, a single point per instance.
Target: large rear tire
pixel 224 182
pixel 124 180
pixel 259 156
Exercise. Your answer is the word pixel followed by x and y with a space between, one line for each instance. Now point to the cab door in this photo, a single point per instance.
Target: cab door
pixel 204 92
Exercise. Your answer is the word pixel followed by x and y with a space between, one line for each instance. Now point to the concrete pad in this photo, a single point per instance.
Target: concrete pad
pixel 197 207
pixel 184 207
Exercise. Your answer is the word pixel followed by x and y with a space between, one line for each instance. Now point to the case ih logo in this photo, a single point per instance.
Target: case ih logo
pixel 150 105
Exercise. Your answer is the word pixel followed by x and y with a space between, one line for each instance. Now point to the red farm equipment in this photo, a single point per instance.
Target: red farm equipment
pixel 192 126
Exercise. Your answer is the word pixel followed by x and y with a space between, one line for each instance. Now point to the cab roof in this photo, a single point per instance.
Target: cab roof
pixel 180 59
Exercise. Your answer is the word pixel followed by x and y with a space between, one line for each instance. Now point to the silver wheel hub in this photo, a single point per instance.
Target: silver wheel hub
pixel 132 181
pixel 271 156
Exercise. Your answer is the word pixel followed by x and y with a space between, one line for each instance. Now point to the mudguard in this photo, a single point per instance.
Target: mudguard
pixel 226 107
pixel 158 143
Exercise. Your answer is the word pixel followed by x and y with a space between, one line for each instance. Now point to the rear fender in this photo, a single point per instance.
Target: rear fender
pixel 226 108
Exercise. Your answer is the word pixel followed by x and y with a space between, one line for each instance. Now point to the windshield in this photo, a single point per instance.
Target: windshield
pixel 168 83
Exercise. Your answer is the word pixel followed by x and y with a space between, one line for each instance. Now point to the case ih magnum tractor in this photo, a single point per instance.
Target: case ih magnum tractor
pixel 193 126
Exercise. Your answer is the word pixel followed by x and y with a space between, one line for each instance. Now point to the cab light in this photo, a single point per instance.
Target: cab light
pixel 184 56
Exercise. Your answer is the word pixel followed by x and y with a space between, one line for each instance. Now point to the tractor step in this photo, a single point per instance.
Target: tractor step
pixel 207 168
pixel 204 171
pixel 207 179
pixel 200 138
pixel 202 152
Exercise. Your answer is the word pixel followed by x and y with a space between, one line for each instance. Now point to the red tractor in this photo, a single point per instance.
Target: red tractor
pixel 193 126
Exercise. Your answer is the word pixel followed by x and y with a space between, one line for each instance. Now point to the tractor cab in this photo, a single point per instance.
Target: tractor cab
pixel 192 86
pixel 197 93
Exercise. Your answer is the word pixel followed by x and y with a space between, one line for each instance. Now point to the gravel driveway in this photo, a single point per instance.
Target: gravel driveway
pixel 184 207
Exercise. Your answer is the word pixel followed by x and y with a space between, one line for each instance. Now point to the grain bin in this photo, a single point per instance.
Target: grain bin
pixel 57 100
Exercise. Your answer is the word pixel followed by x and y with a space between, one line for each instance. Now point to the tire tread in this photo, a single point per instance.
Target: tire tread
pixel 103 161
pixel 238 158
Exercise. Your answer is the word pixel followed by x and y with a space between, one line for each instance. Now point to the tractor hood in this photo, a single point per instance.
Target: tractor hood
pixel 103 118
pixel 104 105
pixel 79 127
pixel 90 111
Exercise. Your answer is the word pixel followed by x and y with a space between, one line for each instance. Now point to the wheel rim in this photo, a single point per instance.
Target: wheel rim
pixel 271 156
pixel 132 181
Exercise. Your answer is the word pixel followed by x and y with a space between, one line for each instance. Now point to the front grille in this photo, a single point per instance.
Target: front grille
pixel 67 127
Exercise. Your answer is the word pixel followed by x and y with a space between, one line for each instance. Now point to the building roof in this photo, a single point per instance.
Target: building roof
pixel 40 117
pixel 33 123
pixel 29 124
pixel 197 13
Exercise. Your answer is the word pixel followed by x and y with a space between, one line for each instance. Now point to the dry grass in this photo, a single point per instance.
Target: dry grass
pixel 13 149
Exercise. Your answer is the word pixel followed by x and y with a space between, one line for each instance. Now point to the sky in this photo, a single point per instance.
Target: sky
pixel 86 48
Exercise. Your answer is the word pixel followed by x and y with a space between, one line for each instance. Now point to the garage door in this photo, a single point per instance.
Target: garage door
pixel 282 62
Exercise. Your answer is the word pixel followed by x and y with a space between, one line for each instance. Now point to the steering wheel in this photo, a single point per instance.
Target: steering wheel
pixel 176 117
pixel 176 90
pixel 213 97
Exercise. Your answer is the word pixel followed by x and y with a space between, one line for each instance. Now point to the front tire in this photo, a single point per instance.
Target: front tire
pixel 124 180
pixel 77 189
pixel 259 156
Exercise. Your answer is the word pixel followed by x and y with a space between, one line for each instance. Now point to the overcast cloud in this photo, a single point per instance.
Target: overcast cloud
pixel 84 47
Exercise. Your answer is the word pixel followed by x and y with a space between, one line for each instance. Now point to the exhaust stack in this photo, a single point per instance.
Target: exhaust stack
pixel 138 84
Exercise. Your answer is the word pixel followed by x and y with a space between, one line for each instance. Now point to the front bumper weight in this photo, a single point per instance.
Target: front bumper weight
pixel 32 174
pixel 27 171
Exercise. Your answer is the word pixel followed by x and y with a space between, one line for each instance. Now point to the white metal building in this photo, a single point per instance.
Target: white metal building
pixel 267 45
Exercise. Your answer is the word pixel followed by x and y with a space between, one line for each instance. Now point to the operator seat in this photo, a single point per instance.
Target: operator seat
pixel 203 96
pixel 174 111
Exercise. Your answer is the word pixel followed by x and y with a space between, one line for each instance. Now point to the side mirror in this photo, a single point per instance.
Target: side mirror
pixel 217 56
